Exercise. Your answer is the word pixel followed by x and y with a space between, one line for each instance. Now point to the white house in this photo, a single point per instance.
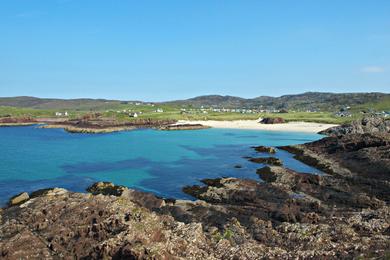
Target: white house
pixel 133 115
pixel 159 110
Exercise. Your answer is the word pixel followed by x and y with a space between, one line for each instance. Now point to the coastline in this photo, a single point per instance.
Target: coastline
pixel 18 124
pixel 308 127
pixel 86 130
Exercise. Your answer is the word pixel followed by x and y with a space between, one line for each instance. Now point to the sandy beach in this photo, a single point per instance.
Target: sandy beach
pixel 308 127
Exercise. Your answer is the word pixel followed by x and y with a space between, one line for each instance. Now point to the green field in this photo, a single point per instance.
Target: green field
pixel 174 113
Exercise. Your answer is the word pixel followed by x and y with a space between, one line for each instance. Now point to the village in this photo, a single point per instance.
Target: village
pixel 136 109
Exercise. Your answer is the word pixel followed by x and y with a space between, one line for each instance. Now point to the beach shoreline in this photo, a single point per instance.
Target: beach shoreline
pixel 308 127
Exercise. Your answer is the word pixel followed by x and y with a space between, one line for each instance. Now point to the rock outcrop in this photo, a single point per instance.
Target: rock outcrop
pixel 264 149
pixel 342 213
pixel 371 125
pixel 98 124
pixel 267 160
pixel 272 120
pixel 14 121
pixel 184 127
pixel 18 199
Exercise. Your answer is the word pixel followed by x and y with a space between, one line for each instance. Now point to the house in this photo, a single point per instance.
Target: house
pixel 343 114
pixel 159 110
pixel 58 114
pixel 133 115
pixel 66 113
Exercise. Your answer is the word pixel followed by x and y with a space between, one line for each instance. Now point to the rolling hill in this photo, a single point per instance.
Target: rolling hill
pixel 300 102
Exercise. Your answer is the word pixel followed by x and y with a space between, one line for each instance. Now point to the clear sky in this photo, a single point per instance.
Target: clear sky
pixel 164 49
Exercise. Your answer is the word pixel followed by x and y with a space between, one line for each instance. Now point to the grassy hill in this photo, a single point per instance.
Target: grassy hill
pixel 323 104
pixel 326 102
pixel 82 104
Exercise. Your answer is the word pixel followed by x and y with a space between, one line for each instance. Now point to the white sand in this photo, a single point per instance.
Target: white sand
pixel 255 125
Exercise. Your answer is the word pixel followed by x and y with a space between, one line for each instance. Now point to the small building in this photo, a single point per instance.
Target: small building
pixel 343 114
pixel 133 115
pixel 159 110
pixel 58 114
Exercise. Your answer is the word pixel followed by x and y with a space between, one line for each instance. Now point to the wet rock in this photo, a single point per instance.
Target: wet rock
pixel 238 166
pixel 264 149
pixel 19 199
pixel 106 188
pixel 267 160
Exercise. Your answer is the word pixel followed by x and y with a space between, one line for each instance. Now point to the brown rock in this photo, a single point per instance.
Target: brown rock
pixel 272 120
pixel 267 160
pixel 19 199
pixel 264 149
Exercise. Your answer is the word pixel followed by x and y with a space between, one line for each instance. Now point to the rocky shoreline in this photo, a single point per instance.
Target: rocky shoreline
pixel 183 127
pixel 20 121
pixel 91 123
pixel 344 213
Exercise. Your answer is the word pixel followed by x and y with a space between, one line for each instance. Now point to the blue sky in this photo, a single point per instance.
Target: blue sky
pixel 164 50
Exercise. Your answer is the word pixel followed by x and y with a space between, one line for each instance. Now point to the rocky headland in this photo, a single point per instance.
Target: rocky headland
pixel 343 213
pixel 17 121
pixel 95 123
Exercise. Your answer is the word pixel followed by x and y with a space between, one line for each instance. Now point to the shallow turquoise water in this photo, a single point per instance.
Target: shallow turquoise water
pixel 158 161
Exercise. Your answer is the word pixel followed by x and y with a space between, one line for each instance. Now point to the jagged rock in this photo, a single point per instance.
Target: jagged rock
pixel 280 175
pixel 106 188
pixel 264 149
pixel 341 214
pixel 366 125
pixel 267 160
pixel 19 199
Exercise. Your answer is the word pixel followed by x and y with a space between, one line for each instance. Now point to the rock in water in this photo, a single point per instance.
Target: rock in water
pixel 267 160
pixel 106 188
pixel 264 149
pixel 19 199
pixel 184 127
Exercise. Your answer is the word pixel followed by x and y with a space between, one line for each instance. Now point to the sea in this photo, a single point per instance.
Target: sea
pixel 161 162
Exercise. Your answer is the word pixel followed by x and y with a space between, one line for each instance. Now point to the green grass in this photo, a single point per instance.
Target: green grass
pixel 174 113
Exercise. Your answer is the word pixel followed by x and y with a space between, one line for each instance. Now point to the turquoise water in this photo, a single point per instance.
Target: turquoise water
pixel 161 162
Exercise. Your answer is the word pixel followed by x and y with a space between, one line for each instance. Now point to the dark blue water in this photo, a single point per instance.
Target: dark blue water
pixel 161 162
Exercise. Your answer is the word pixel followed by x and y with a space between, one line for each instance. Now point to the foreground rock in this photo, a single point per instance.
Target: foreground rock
pixel 18 199
pixel 343 213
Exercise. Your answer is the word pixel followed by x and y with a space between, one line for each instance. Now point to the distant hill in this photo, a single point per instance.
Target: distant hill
pixel 309 100
pixel 52 103
pixel 306 101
